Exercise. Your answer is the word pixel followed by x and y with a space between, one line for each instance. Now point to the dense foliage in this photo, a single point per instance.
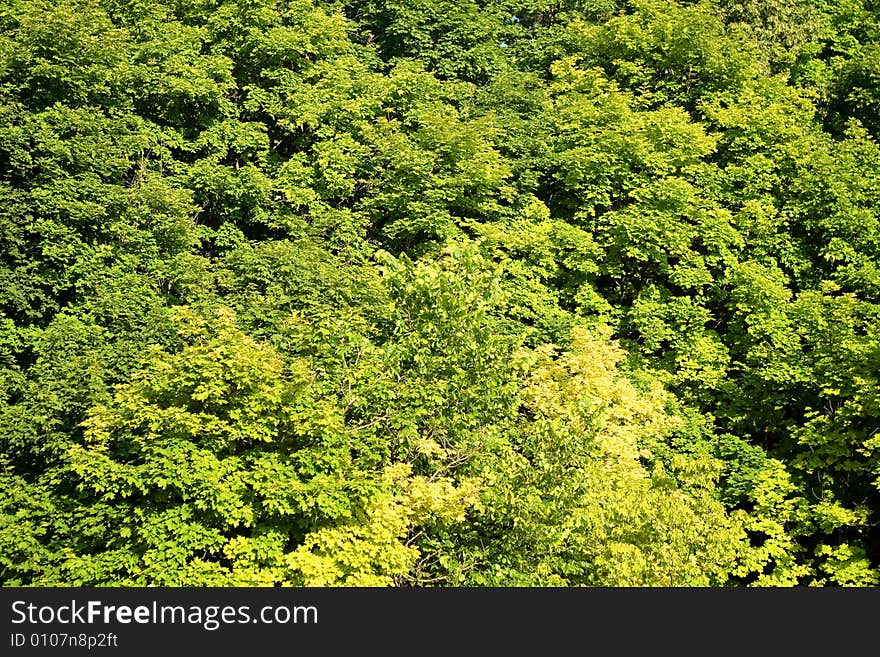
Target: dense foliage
pixel 439 292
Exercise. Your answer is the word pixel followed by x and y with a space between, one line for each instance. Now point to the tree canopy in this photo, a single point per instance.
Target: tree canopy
pixel 459 292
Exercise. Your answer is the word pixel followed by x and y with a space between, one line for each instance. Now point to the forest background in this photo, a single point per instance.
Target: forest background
pixel 439 292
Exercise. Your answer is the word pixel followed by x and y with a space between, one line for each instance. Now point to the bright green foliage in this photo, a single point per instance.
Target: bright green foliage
pixel 377 551
pixel 577 496
pixel 374 292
